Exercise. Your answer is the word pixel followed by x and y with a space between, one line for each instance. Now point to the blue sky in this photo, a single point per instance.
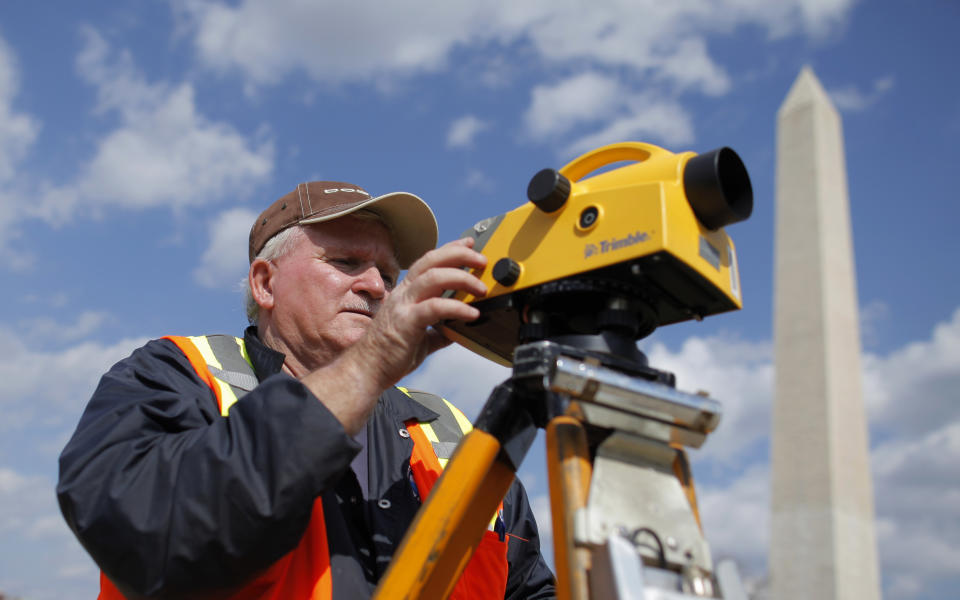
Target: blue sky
pixel 138 140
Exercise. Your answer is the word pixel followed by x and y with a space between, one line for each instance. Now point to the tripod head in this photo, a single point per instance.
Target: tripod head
pixel 600 262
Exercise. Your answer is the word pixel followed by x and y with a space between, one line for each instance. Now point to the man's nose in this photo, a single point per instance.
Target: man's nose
pixel 371 282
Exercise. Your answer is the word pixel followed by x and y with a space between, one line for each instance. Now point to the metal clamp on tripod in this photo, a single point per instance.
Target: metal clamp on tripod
pixel 625 519
pixel 580 274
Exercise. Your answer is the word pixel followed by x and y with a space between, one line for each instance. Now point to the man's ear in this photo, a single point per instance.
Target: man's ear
pixel 260 277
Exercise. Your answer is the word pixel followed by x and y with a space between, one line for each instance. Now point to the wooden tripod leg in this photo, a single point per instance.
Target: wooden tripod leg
pixel 569 470
pixel 449 526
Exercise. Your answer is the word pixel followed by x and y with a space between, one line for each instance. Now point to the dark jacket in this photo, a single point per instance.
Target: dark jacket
pixel 171 499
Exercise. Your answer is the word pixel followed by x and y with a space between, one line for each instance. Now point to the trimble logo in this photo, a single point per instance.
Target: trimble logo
pixel 615 244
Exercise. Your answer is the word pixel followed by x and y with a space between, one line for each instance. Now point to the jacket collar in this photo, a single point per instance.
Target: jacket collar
pixel 405 408
pixel 267 361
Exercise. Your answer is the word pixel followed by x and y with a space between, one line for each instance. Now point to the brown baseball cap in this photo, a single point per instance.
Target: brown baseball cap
pixel 411 222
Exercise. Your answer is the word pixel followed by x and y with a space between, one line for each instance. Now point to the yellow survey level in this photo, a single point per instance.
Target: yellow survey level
pixel 634 247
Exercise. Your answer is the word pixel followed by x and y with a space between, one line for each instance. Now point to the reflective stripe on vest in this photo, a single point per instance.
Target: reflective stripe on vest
pixel 485 576
pixel 304 573
pixel 222 362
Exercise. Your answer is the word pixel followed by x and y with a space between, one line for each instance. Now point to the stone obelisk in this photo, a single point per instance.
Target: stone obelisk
pixel 822 542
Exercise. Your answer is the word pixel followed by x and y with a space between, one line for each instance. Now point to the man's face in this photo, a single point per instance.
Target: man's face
pixel 328 287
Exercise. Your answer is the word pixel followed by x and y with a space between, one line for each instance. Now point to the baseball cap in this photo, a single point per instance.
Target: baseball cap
pixel 411 222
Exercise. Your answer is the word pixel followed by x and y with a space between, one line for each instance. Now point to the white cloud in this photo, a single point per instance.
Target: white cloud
pixel 464 130
pixel 661 48
pixel 914 389
pixel 28 393
pixel 164 152
pixel 45 328
pixel 873 316
pixel 852 98
pixel 915 423
pixel 736 519
pixel 662 121
pixel 335 43
pixel 224 262
pixel 917 498
pixel 367 41
pixel 478 180
pixel 584 98
pixel 608 107
pixel 18 130
pixel 739 375
pixel 31 522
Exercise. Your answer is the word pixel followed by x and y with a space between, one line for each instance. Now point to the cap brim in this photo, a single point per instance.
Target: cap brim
pixel 412 224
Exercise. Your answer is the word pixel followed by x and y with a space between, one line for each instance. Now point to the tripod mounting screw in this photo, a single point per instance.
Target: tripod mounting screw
pixel 506 272
pixel 548 190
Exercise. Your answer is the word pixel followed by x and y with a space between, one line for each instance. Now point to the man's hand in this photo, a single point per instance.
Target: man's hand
pixel 400 336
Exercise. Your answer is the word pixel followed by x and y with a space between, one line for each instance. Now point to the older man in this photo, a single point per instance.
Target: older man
pixel 286 464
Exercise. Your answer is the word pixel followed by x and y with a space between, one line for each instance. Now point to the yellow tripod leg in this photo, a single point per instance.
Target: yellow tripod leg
pixel 569 470
pixel 449 526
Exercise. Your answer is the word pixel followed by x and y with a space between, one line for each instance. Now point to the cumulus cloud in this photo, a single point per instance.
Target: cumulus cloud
pixel 556 108
pixel 18 130
pixel 853 99
pixel 608 109
pixel 164 151
pixel 28 394
pixel 736 519
pixel 915 425
pixel 224 262
pixel 363 41
pixel 464 130
pixel 42 393
pixel 914 389
pixel 47 329
pixel 662 48
pixel 738 374
pixel 30 520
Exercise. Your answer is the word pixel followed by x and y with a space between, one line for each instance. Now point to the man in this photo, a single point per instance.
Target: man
pixel 286 464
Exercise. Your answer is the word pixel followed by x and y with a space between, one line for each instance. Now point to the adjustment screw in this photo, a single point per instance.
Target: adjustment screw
pixel 506 272
pixel 548 190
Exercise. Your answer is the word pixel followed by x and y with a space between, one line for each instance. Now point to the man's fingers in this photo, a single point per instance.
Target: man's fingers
pixel 438 280
pixel 457 254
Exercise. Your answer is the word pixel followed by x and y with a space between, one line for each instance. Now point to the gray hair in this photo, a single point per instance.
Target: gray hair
pixel 275 247
pixel 282 243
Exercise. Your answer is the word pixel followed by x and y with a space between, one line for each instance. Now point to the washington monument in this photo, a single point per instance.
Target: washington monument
pixel 822 539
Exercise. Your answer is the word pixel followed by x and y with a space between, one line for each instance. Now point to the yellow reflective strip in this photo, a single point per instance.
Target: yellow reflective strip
pixel 205 350
pixel 430 433
pixel 227 397
pixel 243 351
pixel 465 425
pixel 443 462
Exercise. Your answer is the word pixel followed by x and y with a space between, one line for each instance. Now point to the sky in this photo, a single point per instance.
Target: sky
pixel 138 141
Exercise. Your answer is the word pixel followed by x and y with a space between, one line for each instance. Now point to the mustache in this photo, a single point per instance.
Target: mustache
pixel 364 305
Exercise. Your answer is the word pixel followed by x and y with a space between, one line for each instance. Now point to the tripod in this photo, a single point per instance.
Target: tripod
pixel 625 519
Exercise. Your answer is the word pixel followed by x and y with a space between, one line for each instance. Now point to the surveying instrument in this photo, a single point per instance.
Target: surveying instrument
pixel 576 277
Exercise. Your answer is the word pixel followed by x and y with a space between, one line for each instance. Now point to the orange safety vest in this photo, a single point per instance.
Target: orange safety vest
pixel 304 572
